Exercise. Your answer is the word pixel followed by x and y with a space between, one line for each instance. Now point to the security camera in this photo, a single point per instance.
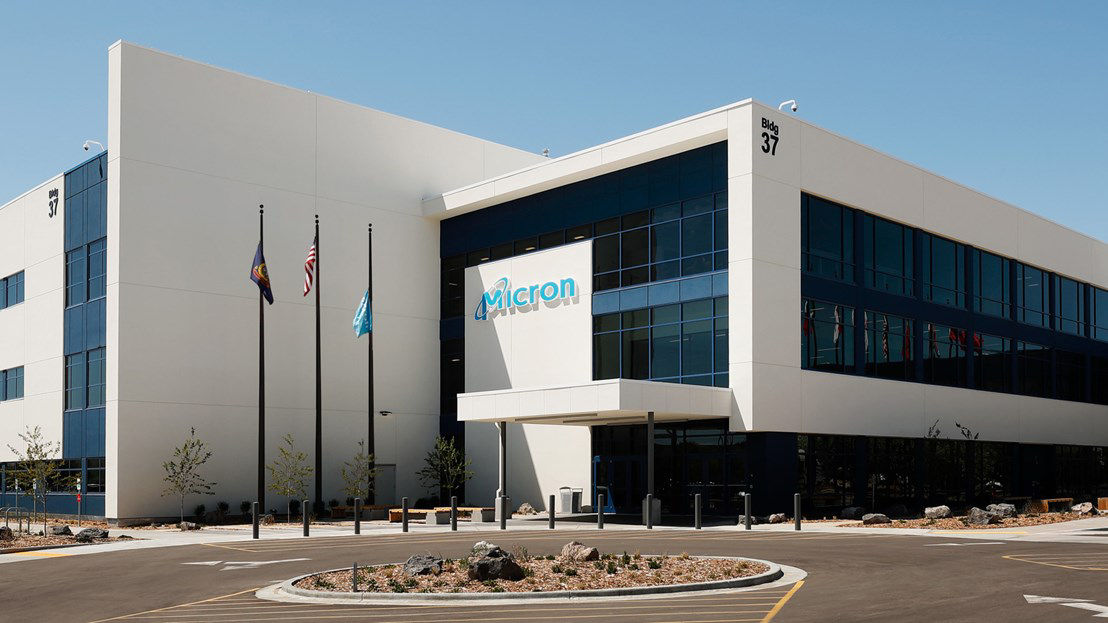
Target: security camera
pixel 86 146
pixel 794 107
pixel 90 143
pixel 790 103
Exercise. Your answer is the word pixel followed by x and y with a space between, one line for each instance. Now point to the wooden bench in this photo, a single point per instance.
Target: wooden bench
pixel 1045 505
pixel 397 514
pixel 369 511
pixel 1102 504
pixel 476 514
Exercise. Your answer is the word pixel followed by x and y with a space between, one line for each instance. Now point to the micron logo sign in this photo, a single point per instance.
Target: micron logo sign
pixel 502 298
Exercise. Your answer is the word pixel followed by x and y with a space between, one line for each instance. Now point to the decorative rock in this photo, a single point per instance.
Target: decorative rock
pixel 89 534
pixel 875 518
pixel 60 531
pixel 777 518
pixel 978 517
pixel 188 525
pixel 268 520
pixel 852 512
pixel 497 564
pixel 125 537
pixel 423 564
pixel 526 509
pixel 937 512
pixel 753 520
pixel 482 548
pixel 1002 510
pixel 1084 508
pixel 6 534
pixel 579 552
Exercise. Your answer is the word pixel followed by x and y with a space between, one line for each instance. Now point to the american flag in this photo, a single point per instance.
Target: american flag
pixel 309 269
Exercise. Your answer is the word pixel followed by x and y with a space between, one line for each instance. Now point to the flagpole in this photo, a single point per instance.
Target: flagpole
pixel 261 374
pixel 318 384
pixel 369 436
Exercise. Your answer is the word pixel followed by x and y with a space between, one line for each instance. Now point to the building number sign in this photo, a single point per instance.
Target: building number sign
pixel 52 203
pixel 769 137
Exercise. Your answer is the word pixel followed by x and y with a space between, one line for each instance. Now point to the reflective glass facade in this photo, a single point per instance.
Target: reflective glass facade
pixel 938 311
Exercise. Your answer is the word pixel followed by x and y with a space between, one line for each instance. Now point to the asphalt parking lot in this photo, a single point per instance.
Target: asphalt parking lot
pixel 851 577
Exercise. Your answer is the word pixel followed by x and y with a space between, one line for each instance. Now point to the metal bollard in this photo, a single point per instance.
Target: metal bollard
pixel 649 511
pixel 696 511
pixel 599 511
pixel 404 514
pixel 304 515
pixel 746 504
pixel 254 510
pixel 504 512
pixel 354 575
pixel 454 512
pixel 796 510
pixel 550 511
pixel 357 519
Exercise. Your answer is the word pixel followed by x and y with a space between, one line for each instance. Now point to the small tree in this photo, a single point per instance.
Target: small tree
pixel 358 475
pixel 289 474
pixel 182 474
pixel 447 467
pixel 38 467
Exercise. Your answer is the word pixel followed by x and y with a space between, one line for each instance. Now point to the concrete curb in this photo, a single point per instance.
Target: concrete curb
pixel 35 548
pixel 302 595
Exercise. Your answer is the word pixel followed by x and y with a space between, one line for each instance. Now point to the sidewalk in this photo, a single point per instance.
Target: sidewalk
pixel 1093 530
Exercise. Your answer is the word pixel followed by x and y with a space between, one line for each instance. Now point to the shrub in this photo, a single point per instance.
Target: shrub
pixel 684 556
pixel 523 555
pixel 199 511
pixel 624 559
pixel 294 507
pixel 246 507
pixel 571 572
pixel 550 556
pixel 350 501
pixel 333 503
pixel 633 566
pixel 556 568
pixel 653 563
pixel 597 564
pixel 611 567
pixel 324 583
pixel 223 507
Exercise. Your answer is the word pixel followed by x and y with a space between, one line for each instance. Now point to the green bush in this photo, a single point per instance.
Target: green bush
pixel 611 567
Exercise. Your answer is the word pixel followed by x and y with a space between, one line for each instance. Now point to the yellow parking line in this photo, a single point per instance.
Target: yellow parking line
pixel 981 531
pixel 363 615
pixel 40 554
pixel 127 616
pixel 781 604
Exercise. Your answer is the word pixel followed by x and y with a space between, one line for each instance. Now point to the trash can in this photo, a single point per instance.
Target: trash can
pixel 565 495
pixel 575 499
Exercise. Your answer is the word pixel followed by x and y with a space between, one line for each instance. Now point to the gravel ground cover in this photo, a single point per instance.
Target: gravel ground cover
pixel 543 574
pixel 959 523
pixel 22 540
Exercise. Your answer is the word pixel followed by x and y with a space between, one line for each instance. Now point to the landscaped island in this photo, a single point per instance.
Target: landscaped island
pixel 490 569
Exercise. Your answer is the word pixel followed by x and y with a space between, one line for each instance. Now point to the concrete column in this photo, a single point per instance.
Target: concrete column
pixel 502 492
pixel 651 506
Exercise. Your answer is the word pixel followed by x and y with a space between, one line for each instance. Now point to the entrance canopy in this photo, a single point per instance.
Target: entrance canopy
pixel 612 401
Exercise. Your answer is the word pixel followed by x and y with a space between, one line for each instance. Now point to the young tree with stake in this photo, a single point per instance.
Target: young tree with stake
pixel 289 474
pixel 358 475
pixel 36 466
pixel 446 467
pixel 182 474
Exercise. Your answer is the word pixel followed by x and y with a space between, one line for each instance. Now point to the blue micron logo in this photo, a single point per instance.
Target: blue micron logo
pixel 502 298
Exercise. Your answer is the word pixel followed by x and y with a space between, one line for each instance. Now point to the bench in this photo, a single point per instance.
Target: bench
pixel 1102 504
pixel 369 511
pixel 1046 505
pixel 476 514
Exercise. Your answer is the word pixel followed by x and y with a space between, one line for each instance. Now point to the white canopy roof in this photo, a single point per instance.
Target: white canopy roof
pixel 610 401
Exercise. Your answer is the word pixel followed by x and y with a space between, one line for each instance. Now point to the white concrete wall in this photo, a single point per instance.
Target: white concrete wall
pixel 534 346
pixel 193 150
pixel 772 392
pixel 31 332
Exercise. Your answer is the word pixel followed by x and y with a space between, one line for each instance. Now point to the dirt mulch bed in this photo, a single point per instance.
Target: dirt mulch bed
pixel 958 523
pixel 545 574
pixel 34 540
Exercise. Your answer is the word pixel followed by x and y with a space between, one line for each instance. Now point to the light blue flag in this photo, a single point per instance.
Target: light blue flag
pixel 363 319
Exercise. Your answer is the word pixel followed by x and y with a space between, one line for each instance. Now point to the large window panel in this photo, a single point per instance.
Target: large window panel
pixel 992 362
pixel 75 381
pixel 1069 375
pixel 944 355
pixel 888 346
pixel 1034 369
pixel 827 239
pixel 1100 314
pixel 1069 305
pixel 992 288
pixel 1099 387
pixel 827 336
pixel 887 251
pixel 1032 296
pixel 696 235
pixel 665 351
pixel 696 347
pixel 944 274
pixel 96 377
pixel 606 359
pixel 635 247
pixel 665 242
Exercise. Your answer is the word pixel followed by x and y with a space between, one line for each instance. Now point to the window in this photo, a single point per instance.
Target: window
pixel 1069 305
pixel 1069 378
pixel 679 343
pixel 944 274
pixel 887 252
pixel 1034 370
pixel 12 380
pixel 827 336
pixel 991 291
pixel 827 238
pixel 97 268
pixel 11 290
pixel 76 277
pixel 452 286
pixel 75 381
pixel 1100 314
pixel 889 346
pixel 944 355
pixel 992 362
pixel 1032 296
pixel 1100 388
pixel 96 377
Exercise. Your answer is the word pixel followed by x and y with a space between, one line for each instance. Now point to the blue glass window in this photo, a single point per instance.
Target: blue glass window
pixel 992 292
pixel 75 381
pixel 827 336
pixel 1032 296
pixel 992 363
pixel 1034 369
pixel 13 383
pixel 944 361
pixel 13 290
pixel 1069 305
pixel 827 239
pixel 1069 375
pixel 944 273
pixel 96 377
pixel 887 252
pixel 888 346
pixel 76 277
pixel 1100 314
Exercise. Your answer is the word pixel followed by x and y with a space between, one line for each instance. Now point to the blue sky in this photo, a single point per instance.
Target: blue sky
pixel 1008 98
